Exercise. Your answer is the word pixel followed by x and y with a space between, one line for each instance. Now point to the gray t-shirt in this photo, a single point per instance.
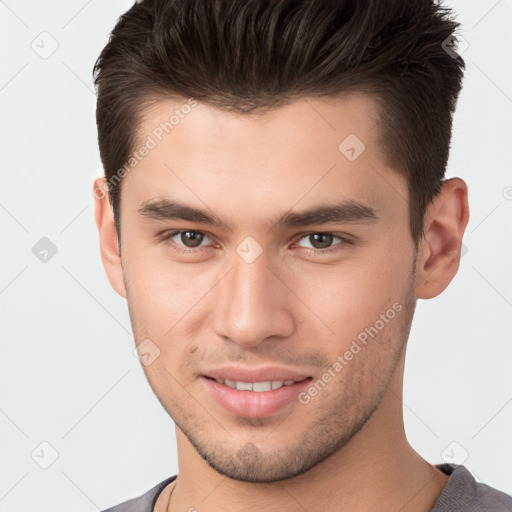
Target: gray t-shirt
pixel 462 493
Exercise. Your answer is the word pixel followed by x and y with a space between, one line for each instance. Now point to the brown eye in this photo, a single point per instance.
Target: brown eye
pixel 185 241
pixel 321 240
pixel 325 243
pixel 191 239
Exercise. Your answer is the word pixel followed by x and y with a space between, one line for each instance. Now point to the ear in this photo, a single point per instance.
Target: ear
pixel 109 247
pixel 439 251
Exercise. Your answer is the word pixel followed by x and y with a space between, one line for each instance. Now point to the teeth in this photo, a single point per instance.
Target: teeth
pixel 255 386
pixel 261 386
pixel 244 386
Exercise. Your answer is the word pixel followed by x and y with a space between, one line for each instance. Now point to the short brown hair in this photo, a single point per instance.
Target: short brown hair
pixel 251 55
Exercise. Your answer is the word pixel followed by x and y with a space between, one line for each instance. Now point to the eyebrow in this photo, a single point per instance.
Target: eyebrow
pixel 344 212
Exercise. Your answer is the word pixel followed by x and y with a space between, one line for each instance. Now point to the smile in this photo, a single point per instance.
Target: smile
pixel 258 387
pixel 254 399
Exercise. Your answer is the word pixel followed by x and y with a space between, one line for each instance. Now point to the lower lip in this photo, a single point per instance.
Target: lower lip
pixel 252 404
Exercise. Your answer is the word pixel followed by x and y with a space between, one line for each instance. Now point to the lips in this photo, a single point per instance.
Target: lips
pixel 254 393
pixel 257 387
pixel 261 374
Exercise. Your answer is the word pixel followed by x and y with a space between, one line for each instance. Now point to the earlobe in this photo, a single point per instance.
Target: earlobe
pixel 440 249
pixel 109 247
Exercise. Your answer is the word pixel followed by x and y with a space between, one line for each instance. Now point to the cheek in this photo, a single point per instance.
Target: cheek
pixel 158 284
pixel 168 301
pixel 339 299
pixel 351 297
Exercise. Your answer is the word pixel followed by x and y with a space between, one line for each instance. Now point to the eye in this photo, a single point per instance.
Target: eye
pixel 323 242
pixel 189 241
pixel 185 241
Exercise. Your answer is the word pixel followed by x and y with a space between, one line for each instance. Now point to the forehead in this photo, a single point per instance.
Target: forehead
pixel 322 123
pixel 308 151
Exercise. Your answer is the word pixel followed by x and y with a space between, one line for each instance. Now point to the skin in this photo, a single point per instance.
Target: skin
pixel 346 449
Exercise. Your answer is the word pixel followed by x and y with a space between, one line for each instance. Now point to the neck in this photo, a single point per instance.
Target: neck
pixel 376 470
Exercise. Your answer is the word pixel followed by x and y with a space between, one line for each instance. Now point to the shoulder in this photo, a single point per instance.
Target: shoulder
pixel 144 503
pixel 464 493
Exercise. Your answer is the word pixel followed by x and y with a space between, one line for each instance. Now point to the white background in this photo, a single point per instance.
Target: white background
pixel 67 371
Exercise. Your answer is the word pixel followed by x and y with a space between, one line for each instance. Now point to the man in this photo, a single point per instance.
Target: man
pixel 273 205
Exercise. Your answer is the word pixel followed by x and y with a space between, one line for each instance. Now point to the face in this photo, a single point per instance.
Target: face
pixel 254 290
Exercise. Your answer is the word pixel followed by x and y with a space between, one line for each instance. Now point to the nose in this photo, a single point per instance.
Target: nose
pixel 254 304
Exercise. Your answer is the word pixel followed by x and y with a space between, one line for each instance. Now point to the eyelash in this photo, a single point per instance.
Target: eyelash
pixel 167 236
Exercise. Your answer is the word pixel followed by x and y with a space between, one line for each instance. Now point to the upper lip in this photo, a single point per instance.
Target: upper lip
pixel 261 374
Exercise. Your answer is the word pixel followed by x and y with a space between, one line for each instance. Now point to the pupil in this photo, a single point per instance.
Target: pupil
pixel 194 237
pixel 325 243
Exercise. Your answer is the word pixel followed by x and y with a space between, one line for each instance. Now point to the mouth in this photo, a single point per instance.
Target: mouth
pixel 253 398
pixel 257 387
